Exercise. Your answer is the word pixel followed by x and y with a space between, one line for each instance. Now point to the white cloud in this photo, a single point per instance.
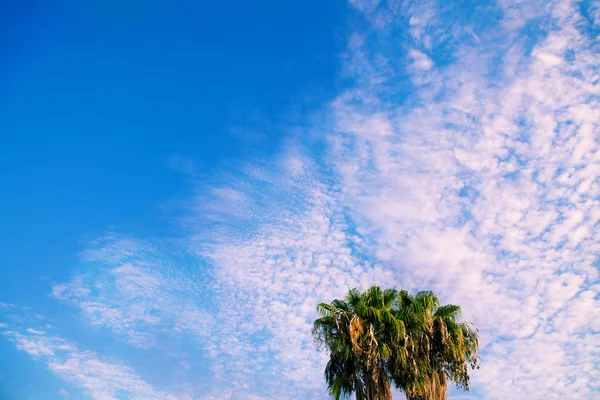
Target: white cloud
pixel 275 282
pixel 549 58
pixel 420 60
pixel 136 294
pixel 98 377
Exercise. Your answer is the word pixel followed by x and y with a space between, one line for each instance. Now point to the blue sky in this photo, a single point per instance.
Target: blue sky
pixel 183 183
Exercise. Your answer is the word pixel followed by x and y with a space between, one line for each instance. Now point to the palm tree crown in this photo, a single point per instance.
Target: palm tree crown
pixel 437 347
pixel 379 337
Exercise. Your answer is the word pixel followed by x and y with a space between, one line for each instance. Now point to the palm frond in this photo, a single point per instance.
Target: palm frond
pixel 449 311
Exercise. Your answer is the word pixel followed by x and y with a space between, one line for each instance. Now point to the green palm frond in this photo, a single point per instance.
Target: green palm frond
pixel 449 311
pixel 353 297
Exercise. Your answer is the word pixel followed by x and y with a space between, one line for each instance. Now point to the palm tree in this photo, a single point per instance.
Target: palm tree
pixel 382 336
pixel 437 348
pixel 361 333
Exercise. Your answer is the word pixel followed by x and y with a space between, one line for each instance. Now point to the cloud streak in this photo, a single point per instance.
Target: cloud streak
pixel 137 294
pixel 99 378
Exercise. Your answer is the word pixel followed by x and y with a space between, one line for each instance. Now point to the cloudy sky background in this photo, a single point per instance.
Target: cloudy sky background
pixel 458 153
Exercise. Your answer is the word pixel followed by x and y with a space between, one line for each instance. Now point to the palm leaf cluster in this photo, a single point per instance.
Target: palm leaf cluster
pixel 379 338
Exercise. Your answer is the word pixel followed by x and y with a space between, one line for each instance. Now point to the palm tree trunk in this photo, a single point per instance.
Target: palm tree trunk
pixel 377 389
pixel 385 386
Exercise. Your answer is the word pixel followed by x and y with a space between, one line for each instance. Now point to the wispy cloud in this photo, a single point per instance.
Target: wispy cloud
pixel 275 280
pixel 98 377
pixel 137 293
